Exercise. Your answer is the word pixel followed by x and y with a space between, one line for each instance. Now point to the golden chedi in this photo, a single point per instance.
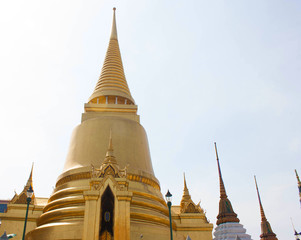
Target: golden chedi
pixel 108 189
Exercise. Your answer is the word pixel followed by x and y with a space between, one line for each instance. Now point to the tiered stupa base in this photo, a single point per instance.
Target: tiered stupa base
pixel 230 231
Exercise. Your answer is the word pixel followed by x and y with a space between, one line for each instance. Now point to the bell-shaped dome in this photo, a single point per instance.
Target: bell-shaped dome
pixel 89 144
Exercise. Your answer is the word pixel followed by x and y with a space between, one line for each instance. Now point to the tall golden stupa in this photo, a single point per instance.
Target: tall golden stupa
pixel 108 189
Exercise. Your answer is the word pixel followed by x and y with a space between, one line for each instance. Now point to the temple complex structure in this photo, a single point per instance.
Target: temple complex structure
pixel 12 218
pixel 108 189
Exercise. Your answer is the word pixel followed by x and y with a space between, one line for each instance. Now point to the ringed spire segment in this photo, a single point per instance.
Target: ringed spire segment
pixel 112 87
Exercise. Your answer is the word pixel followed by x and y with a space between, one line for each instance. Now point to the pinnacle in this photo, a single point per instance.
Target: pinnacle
pixel 112 87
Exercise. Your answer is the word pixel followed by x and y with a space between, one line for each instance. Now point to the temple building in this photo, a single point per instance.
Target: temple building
pixel 12 218
pixel 266 230
pixel 228 226
pixel 108 189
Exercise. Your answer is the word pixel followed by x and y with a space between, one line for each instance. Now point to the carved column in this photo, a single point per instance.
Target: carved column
pixel 91 220
pixel 122 216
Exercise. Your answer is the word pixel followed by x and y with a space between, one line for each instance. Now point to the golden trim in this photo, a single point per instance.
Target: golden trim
pixel 152 219
pixel 124 198
pixel 63 203
pixel 73 177
pixel 49 217
pixel 24 206
pixel 66 192
pixel 151 206
pixel 87 175
pixel 197 216
pixel 91 198
pixel 139 178
pixel 146 195
pixel 30 219
pixel 194 228
pixel 94 109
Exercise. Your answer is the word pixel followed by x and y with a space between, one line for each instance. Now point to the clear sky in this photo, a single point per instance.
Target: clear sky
pixel 200 71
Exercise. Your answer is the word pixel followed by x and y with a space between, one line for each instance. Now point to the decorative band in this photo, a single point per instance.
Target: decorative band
pixel 87 175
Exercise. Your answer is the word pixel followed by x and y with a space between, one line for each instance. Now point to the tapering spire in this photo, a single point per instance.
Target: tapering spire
pixel 112 87
pixel 29 181
pixel 187 205
pixel 186 196
pixel 110 152
pixel 21 198
pixel 114 28
pixel 226 212
pixel 299 185
pixel 263 218
pixel 186 192
pixel 221 182
pixel 266 230
pixel 110 148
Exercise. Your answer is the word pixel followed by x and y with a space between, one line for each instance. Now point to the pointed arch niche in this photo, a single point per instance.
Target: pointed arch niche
pixel 107 215
pixel 107 209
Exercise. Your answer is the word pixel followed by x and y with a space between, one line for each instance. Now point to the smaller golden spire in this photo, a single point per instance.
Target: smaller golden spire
pixel 29 181
pixel 186 192
pixel 186 196
pixel 187 205
pixel 21 198
pixel 226 212
pixel 110 152
pixel 266 230
pixel 110 141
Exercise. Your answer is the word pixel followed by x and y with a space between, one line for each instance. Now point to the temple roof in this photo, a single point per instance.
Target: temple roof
pixel 226 212
pixel 187 205
pixel 22 197
pixel 112 81
pixel 266 230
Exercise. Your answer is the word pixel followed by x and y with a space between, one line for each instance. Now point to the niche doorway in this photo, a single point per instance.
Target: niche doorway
pixel 107 215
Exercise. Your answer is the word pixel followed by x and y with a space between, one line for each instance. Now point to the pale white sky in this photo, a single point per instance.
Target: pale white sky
pixel 200 71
